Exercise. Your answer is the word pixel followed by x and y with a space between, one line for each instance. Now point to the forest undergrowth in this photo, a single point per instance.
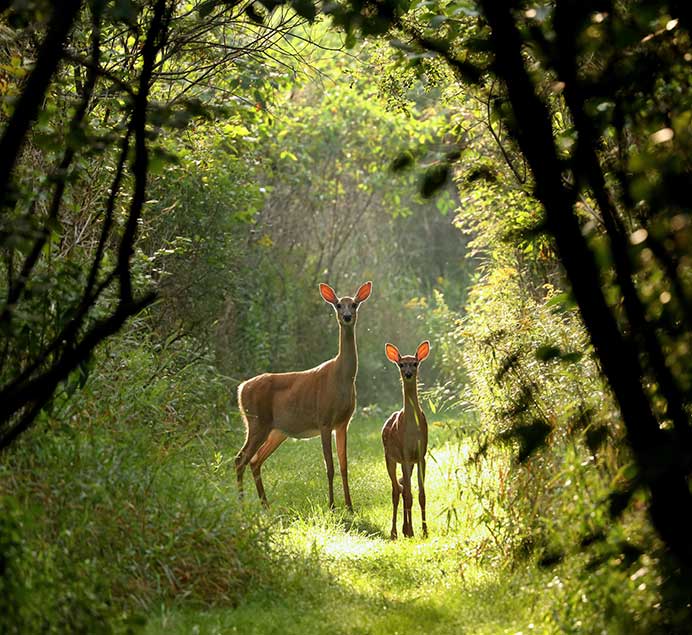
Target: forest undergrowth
pixel 147 518
pixel 121 514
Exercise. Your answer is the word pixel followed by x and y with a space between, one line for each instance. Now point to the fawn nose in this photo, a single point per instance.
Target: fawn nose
pixel 347 318
pixel 408 374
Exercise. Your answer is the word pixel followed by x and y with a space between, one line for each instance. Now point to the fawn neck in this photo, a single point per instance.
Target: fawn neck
pixel 347 358
pixel 410 390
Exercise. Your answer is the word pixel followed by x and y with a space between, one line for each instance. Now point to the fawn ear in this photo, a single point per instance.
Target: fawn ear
pixel 392 353
pixel 423 350
pixel 328 294
pixel 363 292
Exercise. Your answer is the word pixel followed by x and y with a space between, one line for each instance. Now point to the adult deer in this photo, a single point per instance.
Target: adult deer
pixel 305 404
pixel 405 438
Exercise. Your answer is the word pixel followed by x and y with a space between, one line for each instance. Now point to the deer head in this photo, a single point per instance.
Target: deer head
pixel 408 364
pixel 346 308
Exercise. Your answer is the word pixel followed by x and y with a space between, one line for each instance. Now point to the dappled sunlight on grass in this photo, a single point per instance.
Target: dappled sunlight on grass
pixel 351 546
pixel 344 575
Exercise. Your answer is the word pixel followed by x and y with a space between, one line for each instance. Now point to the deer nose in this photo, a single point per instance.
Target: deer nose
pixel 347 318
pixel 408 374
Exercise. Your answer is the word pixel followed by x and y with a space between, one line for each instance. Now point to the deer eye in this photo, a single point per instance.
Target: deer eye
pixel 338 305
pixel 401 365
pixel 415 364
pixel 354 306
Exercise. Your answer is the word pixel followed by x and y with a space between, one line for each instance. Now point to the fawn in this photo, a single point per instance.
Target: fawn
pixel 405 438
pixel 305 404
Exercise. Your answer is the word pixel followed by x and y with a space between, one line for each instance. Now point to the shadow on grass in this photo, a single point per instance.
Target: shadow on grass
pixel 362 526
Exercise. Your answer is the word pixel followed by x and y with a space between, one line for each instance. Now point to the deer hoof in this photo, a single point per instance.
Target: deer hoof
pixel 393 535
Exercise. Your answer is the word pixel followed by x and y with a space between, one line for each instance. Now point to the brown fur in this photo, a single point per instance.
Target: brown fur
pixel 405 440
pixel 304 404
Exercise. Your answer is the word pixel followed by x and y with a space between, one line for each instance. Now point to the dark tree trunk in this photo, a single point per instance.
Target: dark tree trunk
pixel 660 463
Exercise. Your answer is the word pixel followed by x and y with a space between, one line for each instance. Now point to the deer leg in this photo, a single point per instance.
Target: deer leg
pixel 273 441
pixel 255 437
pixel 340 434
pixel 396 492
pixel 421 493
pixel 326 435
pixel 407 529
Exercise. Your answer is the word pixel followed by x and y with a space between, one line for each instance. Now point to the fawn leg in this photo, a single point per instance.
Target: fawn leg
pixel 407 529
pixel 396 492
pixel 421 493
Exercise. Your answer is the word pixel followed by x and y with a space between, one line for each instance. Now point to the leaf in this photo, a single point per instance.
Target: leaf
pixel 547 352
pixel 434 179
pixel 562 301
pixel 125 10
pixel 305 9
pixel 531 437
pixel 206 8
pixel 253 14
pixel 403 161
pixel 550 559
pixel 595 436
pixel 618 500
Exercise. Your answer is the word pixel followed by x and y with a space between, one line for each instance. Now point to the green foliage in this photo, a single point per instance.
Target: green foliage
pixel 273 167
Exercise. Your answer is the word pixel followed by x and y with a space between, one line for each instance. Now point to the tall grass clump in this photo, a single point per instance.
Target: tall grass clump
pixel 122 498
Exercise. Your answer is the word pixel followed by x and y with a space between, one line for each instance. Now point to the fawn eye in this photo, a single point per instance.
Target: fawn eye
pixel 401 365
pixel 354 306
pixel 338 305
pixel 415 364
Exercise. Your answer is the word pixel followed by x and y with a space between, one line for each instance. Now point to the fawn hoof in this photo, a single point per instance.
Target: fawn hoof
pixel 393 535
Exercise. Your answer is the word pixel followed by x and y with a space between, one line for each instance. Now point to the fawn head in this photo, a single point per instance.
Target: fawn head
pixel 408 364
pixel 347 307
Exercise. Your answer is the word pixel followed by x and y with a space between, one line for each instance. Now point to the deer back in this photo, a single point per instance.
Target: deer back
pixel 300 403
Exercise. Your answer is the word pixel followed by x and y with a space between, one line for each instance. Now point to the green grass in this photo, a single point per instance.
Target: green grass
pixel 338 573
pixel 143 514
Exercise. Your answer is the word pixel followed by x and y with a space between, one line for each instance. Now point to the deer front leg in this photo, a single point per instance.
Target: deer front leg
pixel 340 434
pixel 421 493
pixel 396 492
pixel 326 435
pixel 407 529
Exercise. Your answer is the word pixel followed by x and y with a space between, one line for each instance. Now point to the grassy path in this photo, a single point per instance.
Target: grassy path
pixel 346 577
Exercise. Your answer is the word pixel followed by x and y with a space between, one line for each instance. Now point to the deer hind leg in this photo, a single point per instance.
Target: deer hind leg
pixel 273 441
pixel 340 434
pixel 326 435
pixel 407 529
pixel 396 492
pixel 256 435
pixel 421 493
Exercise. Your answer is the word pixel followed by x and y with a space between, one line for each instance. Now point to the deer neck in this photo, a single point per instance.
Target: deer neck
pixel 411 407
pixel 347 358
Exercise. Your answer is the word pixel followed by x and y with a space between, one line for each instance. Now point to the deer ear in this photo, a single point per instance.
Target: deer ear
pixel 328 294
pixel 392 353
pixel 423 350
pixel 363 292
